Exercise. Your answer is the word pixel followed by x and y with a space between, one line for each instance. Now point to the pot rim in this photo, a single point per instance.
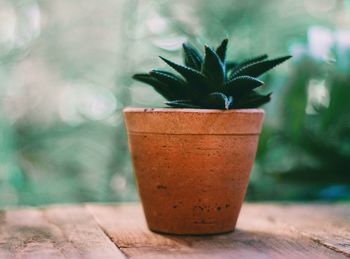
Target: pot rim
pixel 129 109
pixel 193 121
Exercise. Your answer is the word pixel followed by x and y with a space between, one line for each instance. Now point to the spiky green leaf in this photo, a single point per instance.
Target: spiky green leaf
pixel 167 77
pixel 192 58
pixel 182 104
pixel 253 100
pixel 252 60
pixel 213 68
pixel 258 68
pixel 241 85
pixel 233 65
pixel 196 81
pixel 221 50
pixel 160 87
pixel 174 82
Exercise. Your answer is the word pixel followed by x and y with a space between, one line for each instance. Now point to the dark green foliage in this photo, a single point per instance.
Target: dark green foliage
pixel 211 82
pixel 213 68
pixel 258 68
pixel 182 104
pixel 235 66
pixel 160 87
pixel 191 57
pixel 240 85
pixel 221 50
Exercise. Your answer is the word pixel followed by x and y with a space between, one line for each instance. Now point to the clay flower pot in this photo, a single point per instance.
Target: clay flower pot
pixel 192 166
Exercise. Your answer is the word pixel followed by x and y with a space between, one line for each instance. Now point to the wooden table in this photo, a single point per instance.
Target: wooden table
pixel 119 231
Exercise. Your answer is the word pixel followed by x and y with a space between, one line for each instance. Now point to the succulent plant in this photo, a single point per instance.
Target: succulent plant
pixel 211 82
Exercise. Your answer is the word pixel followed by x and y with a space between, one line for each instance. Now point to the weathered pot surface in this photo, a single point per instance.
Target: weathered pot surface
pixel 192 166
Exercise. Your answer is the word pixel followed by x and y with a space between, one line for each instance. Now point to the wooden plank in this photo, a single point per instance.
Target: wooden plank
pixel 328 225
pixel 258 236
pixel 46 233
pixel 82 232
pixel 24 233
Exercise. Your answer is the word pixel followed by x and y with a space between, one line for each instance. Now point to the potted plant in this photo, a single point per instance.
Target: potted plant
pixel 192 161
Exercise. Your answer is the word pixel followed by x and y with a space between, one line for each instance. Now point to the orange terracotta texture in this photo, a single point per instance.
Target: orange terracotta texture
pixel 192 166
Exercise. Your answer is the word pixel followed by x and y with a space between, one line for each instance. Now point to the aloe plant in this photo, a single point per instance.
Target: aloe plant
pixel 209 81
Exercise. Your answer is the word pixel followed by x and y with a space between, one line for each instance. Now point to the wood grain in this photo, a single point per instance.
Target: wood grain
pixel 103 231
pixel 81 230
pixel 328 225
pixel 260 234
pixel 24 233
pixel 62 232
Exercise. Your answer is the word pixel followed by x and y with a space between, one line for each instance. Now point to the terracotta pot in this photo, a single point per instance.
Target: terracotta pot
pixel 192 166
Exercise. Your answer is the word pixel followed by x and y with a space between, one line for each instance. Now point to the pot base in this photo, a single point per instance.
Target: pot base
pixel 191 234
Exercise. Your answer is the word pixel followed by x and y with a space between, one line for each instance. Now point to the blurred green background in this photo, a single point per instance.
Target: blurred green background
pixel 65 75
